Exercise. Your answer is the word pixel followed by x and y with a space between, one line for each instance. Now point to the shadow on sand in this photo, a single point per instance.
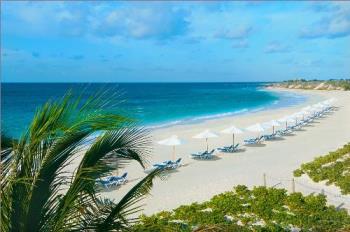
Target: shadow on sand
pixel 240 150
pixel 276 139
pixel 256 145
pixel 214 158
pixel 289 135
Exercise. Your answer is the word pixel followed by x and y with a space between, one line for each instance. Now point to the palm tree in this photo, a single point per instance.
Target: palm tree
pixel 37 191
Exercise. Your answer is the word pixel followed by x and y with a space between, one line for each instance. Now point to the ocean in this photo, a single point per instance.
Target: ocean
pixel 152 104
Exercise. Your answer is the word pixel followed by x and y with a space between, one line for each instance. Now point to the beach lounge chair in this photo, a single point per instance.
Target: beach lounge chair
pixel 168 164
pixel 270 136
pixel 203 155
pixel 284 132
pixel 229 149
pixel 254 140
pixel 163 164
pixel 113 181
pixel 120 179
pixel 175 164
pixel 303 122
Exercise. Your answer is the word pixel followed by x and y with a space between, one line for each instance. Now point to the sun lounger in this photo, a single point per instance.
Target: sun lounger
pixel 284 132
pixel 203 155
pixel 121 179
pixel 229 149
pixel 163 164
pixel 176 164
pixel 113 181
pixel 270 136
pixel 168 164
pixel 254 140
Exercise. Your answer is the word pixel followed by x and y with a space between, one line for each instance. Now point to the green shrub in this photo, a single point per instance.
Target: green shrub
pixel 259 209
pixel 333 168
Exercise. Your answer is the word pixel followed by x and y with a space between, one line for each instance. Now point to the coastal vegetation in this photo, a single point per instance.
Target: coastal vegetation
pixel 258 209
pixel 49 176
pixel 334 168
pixel 342 84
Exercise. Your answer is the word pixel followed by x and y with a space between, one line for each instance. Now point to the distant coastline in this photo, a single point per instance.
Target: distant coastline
pixel 343 85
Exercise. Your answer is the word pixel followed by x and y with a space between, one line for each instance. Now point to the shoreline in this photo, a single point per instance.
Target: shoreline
pixel 200 180
pixel 311 98
pixel 245 111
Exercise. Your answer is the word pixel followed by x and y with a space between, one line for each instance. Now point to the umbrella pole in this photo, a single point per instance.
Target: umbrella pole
pixel 174 152
pixel 206 139
pixel 233 139
pixel 286 125
pixel 273 129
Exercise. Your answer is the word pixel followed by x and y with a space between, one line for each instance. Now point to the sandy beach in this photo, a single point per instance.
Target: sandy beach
pixel 200 180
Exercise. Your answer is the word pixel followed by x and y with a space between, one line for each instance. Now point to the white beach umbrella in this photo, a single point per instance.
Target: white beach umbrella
pixel 285 120
pixel 232 130
pixel 205 135
pixel 272 124
pixel 303 113
pixel 327 103
pixel 332 100
pixel 171 141
pixel 256 128
pixel 307 108
pixel 295 117
pixel 319 105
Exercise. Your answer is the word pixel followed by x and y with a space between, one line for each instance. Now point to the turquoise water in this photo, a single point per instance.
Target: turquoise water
pixel 154 104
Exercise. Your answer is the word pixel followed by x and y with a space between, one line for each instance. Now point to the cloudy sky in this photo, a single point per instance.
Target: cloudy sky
pixel 174 41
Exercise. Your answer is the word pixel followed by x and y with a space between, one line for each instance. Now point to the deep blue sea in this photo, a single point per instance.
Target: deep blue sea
pixel 153 104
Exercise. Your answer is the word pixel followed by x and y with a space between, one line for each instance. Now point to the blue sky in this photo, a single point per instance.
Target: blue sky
pixel 174 41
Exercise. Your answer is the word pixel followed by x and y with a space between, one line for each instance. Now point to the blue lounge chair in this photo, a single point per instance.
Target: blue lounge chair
pixel 175 164
pixel 229 149
pixel 168 164
pixel 163 164
pixel 284 132
pixel 121 179
pixel 203 155
pixel 113 181
pixel 254 140
pixel 270 136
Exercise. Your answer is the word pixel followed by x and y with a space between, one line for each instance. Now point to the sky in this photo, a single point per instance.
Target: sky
pixel 174 41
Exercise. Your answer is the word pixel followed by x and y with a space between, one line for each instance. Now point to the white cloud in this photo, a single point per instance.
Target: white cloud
pixel 240 44
pixel 234 32
pixel 143 22
pixel 276 47
pixel 137 21
pixel 335 24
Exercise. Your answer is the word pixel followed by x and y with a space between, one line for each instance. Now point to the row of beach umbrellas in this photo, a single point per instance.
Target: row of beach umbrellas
pixel 174 140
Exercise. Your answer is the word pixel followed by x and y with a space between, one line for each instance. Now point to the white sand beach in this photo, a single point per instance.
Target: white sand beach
pixel 200 180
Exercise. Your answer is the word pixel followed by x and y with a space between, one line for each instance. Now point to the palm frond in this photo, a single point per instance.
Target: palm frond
pixel 118 216
pixel 110 151
pixel 37 193
pixel 48 176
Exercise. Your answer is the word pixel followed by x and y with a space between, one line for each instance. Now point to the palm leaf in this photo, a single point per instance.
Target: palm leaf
pixel 110 151
pixel 117 216
pixel 37 194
